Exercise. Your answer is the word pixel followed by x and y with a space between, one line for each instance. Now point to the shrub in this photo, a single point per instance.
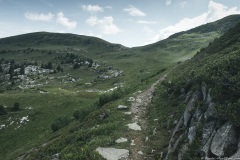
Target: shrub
pixel 82 113
pixel 60 122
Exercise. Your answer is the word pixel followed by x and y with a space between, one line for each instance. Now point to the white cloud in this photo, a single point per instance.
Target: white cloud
pixel 108 7
pixel 148 30
pixel 64 21
pixel 168 2
pixel 92 8
pixel 215 11
pixel 93 35
pixel 105 24
pixel 183 4
pixel 39 16
pixel 146 22
pixel 133 11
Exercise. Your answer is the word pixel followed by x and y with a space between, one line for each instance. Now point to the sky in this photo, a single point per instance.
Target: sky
pixel 127 22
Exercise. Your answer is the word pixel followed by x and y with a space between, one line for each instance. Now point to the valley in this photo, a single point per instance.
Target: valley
pixel 60 95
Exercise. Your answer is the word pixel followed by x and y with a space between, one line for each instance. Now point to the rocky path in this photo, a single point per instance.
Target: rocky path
pixel 137 127
pixel 140 102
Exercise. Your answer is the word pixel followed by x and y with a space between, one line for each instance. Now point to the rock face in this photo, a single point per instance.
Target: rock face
pixel 199 122
pixel 190 106
pixel 113 153
pixel 224 138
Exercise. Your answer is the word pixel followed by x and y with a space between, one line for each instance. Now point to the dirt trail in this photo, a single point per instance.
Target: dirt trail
pixel 138 109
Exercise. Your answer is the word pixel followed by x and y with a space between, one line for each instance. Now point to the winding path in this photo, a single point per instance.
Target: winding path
pixel 138 109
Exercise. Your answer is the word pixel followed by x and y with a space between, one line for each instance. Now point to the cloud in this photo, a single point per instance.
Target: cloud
pixel 215 11
pixel 39 16
pixel 105 24
pixel 133 11
pixel 183 4
pixel 146 22
pixel 148 30
pixel 64 21
pixel 92 8
pixel 168 2
pixel 108 7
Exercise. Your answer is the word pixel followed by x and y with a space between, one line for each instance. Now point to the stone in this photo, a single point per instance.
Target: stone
pixel 140 152
pixel 223 139
pixel 122 107
pixel 191 134
pixel 204 152
pixel 134 126
pixel 204 90
pixel 188 96
pixel 190 107
pixel 121 140
pixel 56 156
pixel 210 112
pixel 127 113
pixel 113 153
pixel 132 143
pixel 207 131
pixel 131 99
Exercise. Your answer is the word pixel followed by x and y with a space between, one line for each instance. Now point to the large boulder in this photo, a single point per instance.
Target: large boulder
pixel 113 153
pixel 224 139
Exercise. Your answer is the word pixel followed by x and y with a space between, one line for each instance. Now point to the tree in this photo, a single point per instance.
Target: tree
pixel 76 66
pixel 1 69
pixel 3 110
pixel 22 70
pixel 16 107
pixel 49 65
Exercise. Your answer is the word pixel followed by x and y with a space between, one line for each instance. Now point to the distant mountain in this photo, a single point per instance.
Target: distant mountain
pixel 46 39
pixel 217 27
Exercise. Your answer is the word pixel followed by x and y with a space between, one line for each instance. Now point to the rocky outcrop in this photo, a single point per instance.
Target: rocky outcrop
pixel 200 123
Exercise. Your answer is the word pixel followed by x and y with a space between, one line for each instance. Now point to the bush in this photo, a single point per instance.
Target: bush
pixel 106 98
pixel 82 113
pixel 3 110
pixel 60 122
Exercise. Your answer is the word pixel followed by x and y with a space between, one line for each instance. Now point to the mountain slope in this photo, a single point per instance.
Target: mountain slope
pixel 200 99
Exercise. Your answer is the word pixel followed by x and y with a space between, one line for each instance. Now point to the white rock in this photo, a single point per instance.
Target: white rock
pixel 122 107
pixel 132 143
pixel 24 119
pixel 140 152
pixel 127 113
pixel 113 153
pixel 134 126
pixel 121 140
pixel 131 99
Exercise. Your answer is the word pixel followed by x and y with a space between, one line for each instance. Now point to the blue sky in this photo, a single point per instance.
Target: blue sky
pixel 128 22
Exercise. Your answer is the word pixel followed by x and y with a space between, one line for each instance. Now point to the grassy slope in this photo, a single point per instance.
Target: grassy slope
pixel 141 66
